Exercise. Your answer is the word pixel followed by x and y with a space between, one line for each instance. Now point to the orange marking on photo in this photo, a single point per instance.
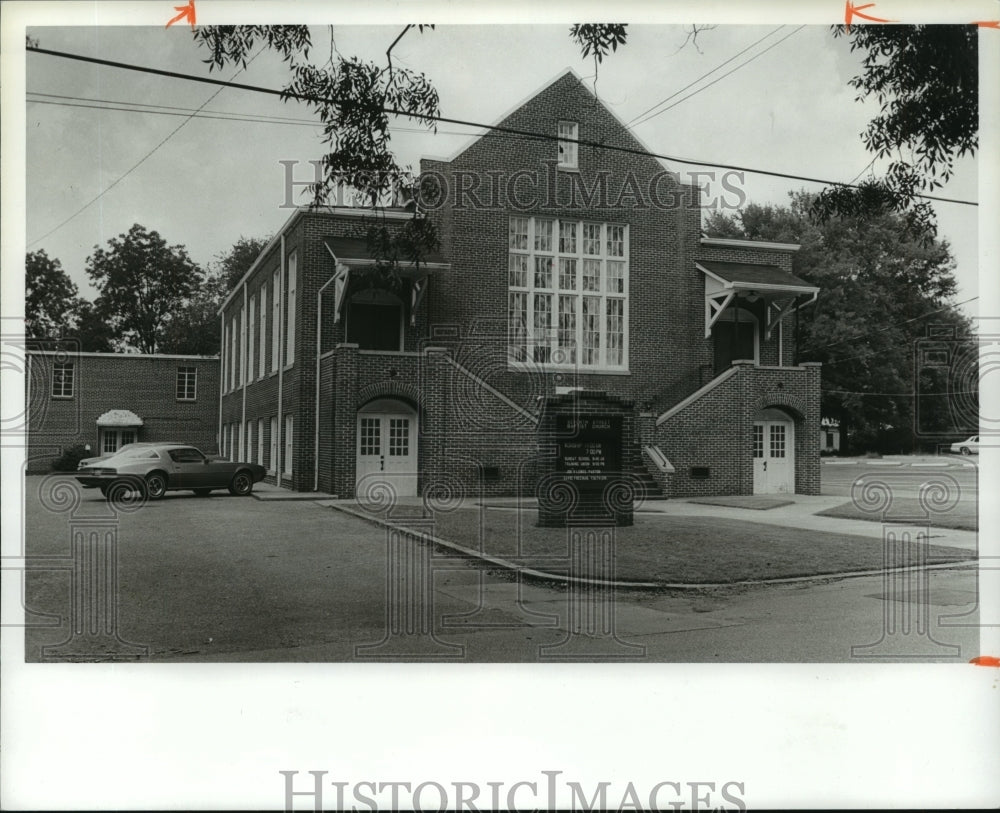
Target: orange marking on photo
pixel 185 11
pixel 985 660
pixel 851 11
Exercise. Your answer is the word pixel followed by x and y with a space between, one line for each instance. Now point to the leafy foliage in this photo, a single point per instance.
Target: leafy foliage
pixel 143 282
pixel 50 297
pixel 926 81
pixel 881 287
pixel 596 39
pixel 70 458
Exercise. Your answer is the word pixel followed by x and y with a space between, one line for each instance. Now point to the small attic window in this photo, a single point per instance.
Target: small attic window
pixel 569 133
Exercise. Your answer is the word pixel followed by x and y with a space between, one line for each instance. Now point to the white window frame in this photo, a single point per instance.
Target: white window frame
pixel 273 450
pixel 577 292
pixel 239 442
pixel 224 362
pixel 275 319
pixel 67 385
pixel 286 463
pixel 262 363
pixel 568 133
pixel 290 310
pixel 260 441
pixel 251 327
pixel 186 370
pixel 249 439
pixel 233 355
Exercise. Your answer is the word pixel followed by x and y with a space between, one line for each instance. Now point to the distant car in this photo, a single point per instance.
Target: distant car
pixel 156 468
pixel 968 446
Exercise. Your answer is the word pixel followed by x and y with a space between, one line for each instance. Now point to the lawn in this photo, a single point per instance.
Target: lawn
pixel 962 517
pixel 667 549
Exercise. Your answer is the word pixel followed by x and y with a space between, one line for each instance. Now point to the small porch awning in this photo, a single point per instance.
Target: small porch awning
pixel 352 252
pixel 119 418
pixel 725 282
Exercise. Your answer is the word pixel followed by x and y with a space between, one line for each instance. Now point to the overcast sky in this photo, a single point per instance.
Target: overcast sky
pixel 789 110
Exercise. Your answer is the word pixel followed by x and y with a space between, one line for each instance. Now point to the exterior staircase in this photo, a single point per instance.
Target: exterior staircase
pixel 635 463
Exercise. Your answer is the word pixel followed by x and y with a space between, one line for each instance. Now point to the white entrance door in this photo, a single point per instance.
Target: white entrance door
pixel 774 457
pixel 387 448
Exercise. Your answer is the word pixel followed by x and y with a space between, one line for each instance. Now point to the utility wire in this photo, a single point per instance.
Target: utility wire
pixel 142 160
pixel 719 79
pixel 490 128
pixel 703 76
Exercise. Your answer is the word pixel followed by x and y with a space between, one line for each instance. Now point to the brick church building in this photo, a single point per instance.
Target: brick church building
pixel 574 262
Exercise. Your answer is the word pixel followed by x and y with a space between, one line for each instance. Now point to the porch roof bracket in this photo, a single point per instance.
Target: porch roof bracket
pixel 339 289
pixel 417 291
pixel 715 304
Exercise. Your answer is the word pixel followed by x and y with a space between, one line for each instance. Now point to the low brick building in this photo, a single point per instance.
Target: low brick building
pixel 574 261
pixel 104 400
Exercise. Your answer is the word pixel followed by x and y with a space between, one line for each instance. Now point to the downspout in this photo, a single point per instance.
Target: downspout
pixel 319 345
pixel 781 342
pixel 244 369
pixel 278 446
pixel 222 376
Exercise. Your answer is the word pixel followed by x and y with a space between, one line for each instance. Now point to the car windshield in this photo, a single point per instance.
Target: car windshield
pixel 186 455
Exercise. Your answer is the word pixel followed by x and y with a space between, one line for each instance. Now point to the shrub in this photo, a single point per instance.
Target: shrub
pixel 70 458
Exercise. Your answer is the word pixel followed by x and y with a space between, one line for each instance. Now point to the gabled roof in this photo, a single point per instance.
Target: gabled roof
pixel 751 274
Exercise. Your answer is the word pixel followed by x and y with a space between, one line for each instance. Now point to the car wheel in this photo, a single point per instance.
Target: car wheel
pixel 202 492
pixel 156 486
pixel 965 450
pixel 242 484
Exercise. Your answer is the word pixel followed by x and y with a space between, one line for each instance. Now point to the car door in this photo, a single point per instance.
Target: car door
pixel 188 469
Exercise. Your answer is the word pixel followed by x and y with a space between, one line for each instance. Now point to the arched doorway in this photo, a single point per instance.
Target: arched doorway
pixel 375 320
pixel 387 446
pixel 773 441
pixel 735 336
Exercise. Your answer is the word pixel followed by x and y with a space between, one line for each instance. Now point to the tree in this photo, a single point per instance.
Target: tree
pixel 195 328
pixel 93 331
pixel 926 81
pixel 50 297
pixel 142 283
pixel 880 288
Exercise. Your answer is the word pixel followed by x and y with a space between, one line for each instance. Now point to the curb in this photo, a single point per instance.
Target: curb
pixel 513 567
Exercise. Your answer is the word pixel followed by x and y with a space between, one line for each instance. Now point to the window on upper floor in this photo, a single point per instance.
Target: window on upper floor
pixel 187 383
pixel 569 133
pixel 568 293
pixel 290 309
pixel 63 379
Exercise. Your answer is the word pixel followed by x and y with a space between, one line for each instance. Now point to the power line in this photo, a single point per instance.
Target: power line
pixel 719 79
pixel 703 76
pixel 490 128
pixel 140 162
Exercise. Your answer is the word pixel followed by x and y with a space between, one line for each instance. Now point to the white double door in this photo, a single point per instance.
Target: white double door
pixel 387 449
pixel 774 457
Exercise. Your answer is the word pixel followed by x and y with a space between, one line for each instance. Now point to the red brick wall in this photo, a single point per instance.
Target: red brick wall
pixel 145 385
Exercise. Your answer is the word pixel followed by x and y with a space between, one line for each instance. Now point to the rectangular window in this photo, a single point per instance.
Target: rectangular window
pixel 290 310
pixel 262 350
pixel 224 356
pixel 187 383
pixel 777 440
pixel 569 133
pixel 109 441
pixel 758 440
pixel 128 436
pixel 568 294
pixel 399 437
pixel 260 441
pixel 239 443
pixel 243 348
pixel 273 450
pixel 233 356
pixel 251 343
pixel 63 379
pixel 275 319
pixel 249 457
pixel 371 437
pixel 287 461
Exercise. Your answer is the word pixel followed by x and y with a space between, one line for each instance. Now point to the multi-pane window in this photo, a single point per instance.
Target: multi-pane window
pixel 399 437
pixel 275 318
pixel 568 292
pixel 187 383
pixel 290 310
pixel 251 343
pixel 260 441
pixel 110 442
pixel 224 354
pixel 128 436
pixel 569 133
pixel 287 461
pixel 249 457
pixel 263 332
pixel 233 354
pixel 758 440
pixel 777 440
pixel 63 379
pixel 371 436
pixel 272 460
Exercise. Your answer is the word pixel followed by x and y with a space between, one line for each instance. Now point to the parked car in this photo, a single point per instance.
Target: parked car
pixel 968 446
pixel 156 468
pixel 90 461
